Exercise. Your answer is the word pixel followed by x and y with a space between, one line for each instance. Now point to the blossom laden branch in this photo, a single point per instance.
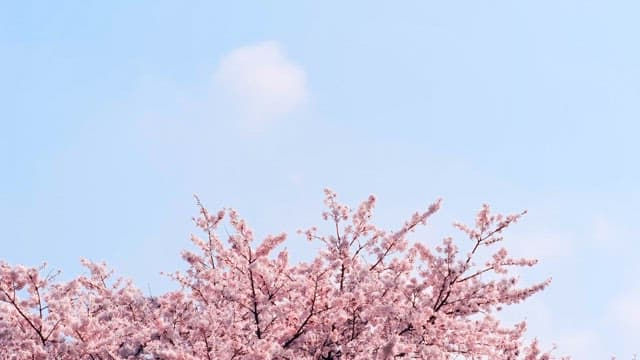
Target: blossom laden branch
pixel 369 293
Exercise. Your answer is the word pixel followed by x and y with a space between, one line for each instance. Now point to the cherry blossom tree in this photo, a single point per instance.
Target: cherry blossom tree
pixel 369 293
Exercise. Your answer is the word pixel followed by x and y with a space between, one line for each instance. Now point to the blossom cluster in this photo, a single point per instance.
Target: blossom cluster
pixel 369 293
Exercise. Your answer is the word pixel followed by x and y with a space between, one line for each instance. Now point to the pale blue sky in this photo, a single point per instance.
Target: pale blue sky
pixel 112 114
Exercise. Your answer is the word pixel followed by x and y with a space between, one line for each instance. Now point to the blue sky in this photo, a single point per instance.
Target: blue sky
pixel 114 113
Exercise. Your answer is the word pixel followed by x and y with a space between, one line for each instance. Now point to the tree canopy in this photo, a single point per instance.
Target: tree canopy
pixel 369 293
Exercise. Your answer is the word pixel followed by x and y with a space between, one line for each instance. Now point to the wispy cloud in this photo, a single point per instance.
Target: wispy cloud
pixel 546 325
pixel 250 88
pixel 610 237
pixel 544 245
pixel 581 344
pixel 262 82
pixel 624 312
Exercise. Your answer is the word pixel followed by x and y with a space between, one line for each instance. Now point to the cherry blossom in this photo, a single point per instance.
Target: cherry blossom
pixel 370 293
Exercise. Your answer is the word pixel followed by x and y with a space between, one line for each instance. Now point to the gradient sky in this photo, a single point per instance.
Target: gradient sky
pixel 114 113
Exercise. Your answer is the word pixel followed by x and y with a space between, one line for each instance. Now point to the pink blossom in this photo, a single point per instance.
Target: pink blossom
pixel 369 293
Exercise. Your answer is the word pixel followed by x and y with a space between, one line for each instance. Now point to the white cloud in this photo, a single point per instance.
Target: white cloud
pixel 262 81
